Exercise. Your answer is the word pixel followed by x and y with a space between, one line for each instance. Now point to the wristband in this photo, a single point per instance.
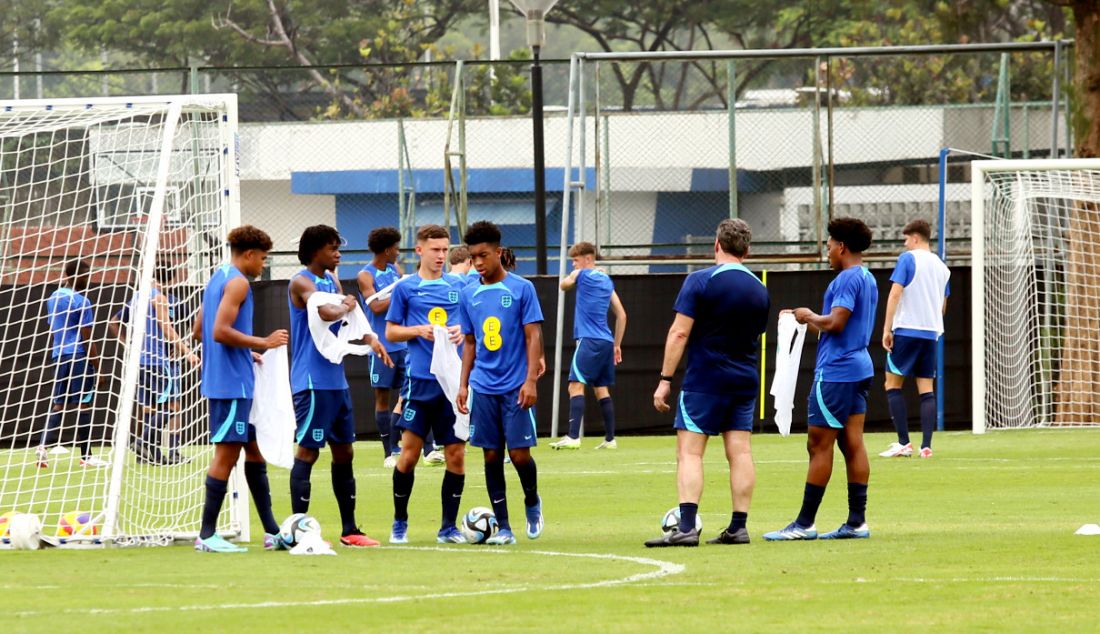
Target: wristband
pixel 666 378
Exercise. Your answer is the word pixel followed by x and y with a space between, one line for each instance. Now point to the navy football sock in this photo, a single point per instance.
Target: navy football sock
pixel 382 420
pixel 215 495
pixel 811 499
pixel 896 400
pixel 927 418
pixel 451 492
pixel 300 486
pixel 529 480
pixel 343 486
pixel 429 444
pixel 688 511
pixel 576 414
pixel 608 409
pixel 84 432
pixel 53 424
pixel 737 522
pixel 255 473
pixel 402 489
pixel 857 504
pixel 494 482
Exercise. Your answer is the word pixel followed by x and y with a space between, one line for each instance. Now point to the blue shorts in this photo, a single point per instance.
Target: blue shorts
pixel 712 414
pixel 73 381
pixel 912 356
pixel 383 377
pixel 427 411
pixel 496 421
pixel 832 403
pixel 323 415
pixel 593 363
pixel 157 385
pixel 229 420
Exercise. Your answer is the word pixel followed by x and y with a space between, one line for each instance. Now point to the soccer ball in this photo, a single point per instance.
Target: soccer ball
pixel 297 526
pixel 5 520
pixel 76 523
pixel 478 525
pixel 25 531
pixel 671 520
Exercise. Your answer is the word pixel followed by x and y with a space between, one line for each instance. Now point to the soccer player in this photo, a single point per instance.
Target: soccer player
pixel 158 385
pixel 380 272
pixel 721 312
pixel 322 400
pixel 225 326
pixel 461 266
pixel 914 321
pixel 597 352
pixel 842 376
pixel 501 361
pixel 76 362
pixel 420 301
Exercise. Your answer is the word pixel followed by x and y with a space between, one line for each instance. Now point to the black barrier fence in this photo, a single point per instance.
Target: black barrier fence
pixel 27 368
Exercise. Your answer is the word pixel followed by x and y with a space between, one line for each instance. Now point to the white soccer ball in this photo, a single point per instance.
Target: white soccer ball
pixel 296 527
pixel 478 525
pixel 671 520
pixel 25 531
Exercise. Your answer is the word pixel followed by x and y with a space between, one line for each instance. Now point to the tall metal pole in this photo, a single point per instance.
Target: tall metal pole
pixel 540 164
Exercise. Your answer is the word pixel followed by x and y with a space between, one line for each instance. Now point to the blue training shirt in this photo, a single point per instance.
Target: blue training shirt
pixel 226 370
pixel 67 311
pixel 496 314
pixel 842 357
pixel 309 370
pixel 730 307
pixel 382 279
pixel 417 301
pixel 594 289
pixel 154 345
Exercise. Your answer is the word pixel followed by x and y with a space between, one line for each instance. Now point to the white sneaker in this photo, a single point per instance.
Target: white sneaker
pixel 390 462
pixel 435 457
pixel 92 461
pixel 40 457
pixel 898 450
pixel 565 442
pixel 608 444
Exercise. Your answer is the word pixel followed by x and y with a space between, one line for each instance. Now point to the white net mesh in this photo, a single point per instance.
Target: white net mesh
pixel 90 408
pixel 1041 275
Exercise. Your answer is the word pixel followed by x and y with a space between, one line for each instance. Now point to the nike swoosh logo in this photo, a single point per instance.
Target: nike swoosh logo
pixel 398 495
pixel 304 499
pixel 477 303
pixel 498 501
pixel 456 495
pixel 527 438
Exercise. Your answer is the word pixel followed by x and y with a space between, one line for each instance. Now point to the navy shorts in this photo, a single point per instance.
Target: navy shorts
pixel 383 376
pixel 229 420
pixel 496 420
pixel 323 415
pixel 73 381
pixel 593 363
pixel 712 414
pixel 157 385
pixel 912 356
pixel 427 411
pixel 831 403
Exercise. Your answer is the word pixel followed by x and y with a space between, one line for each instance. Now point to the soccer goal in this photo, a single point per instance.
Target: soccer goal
pixel 1036 293
pixel 106 438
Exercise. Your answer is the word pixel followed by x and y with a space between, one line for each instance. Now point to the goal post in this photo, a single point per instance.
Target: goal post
pixel 111 427
pixel 1035 293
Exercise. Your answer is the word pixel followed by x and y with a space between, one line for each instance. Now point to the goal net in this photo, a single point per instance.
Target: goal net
pixel 1036 293
pixel 114 214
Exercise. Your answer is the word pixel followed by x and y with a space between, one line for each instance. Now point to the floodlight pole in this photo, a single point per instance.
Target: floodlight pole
pixel 540 164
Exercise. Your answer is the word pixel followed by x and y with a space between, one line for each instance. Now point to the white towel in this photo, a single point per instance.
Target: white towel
pixel 447 368
pixel 788 356
pixel 353 326
pixel 273 408
pixel 385 293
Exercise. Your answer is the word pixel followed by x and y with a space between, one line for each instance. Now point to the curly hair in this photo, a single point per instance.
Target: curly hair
pixel 247 237
pixel 508 259
pixel 734 236
pixel 314 239
pixel 382 238
pixel 483 232
pixel 851 232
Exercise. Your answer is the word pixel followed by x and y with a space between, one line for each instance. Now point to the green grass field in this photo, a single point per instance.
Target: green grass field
pixel 978 538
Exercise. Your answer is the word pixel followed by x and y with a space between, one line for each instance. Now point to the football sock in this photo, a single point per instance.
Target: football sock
pixel 811 499
pixel 255 473
pixel 402 489
pixel 429 444
pixel 896 401
pixel 576 413
pixel 608 409
pixel 215 495
pixel 84 432
pixel 343 485
pixel 688 511
pixel 53 423
pixel 857 504
pixel 382 420
pixel 927 418
pixel 451 492
pixel 494 482
pixel 174 441
pixel 300 487
pixel 737 522
pixel 150 427
pixel 529 480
